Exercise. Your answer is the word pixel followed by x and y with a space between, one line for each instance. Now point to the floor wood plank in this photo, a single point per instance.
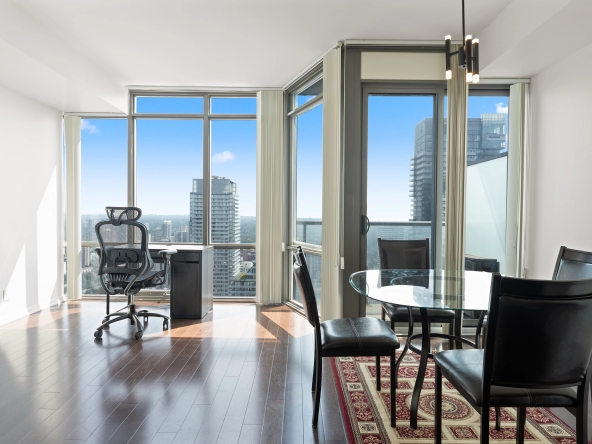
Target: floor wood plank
pixel 240 375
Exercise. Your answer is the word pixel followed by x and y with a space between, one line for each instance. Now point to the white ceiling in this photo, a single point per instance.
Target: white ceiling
pixel 98 47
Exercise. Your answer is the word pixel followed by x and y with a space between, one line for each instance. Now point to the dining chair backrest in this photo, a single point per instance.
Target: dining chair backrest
pixel 305 287
pixel 404 254
pixel 573 265
pixel 539 333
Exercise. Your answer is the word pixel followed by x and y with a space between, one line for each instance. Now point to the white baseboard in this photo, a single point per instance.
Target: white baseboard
pixel 32 309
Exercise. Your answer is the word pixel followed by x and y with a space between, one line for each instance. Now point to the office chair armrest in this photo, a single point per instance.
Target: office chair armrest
pixel 166 254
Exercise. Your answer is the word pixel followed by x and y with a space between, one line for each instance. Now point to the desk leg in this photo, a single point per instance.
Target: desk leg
pixel 423 364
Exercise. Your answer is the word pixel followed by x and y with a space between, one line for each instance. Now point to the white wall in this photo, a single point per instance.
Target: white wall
pixel 486 210
pixel 31 266
pixel 560 206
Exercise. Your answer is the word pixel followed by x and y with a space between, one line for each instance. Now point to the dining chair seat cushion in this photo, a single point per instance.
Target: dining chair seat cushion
pixel 464 369
pixel 356 337
pixel 401 314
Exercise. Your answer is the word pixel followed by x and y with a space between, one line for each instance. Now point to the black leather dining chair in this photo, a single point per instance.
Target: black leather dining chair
pixel 343 337
pixel 570 265
pixel 409 255
pixel 518 367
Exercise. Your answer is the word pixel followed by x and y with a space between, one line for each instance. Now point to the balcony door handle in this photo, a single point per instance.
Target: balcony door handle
pixel 365 224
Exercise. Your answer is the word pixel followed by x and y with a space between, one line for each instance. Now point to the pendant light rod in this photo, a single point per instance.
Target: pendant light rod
pixel 463 21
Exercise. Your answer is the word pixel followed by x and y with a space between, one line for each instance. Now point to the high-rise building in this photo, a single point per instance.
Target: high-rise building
pixel 225 229
pixel 486 139
pixel 167 231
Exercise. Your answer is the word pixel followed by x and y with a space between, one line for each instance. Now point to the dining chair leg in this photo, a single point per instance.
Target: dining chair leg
pixel 458 316
pixel 378 374
pixel 319 378
pixel 498 418
pixel 521 420
pixel 393 389
pixel 451 330
pixel 314 370
pixel 438 409
pixel 582 415
pixel 382 313
pixel 484 434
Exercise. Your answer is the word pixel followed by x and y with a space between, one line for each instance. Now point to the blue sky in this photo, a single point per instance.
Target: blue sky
pixel 170 153
pixel 391 134
pixel 169 156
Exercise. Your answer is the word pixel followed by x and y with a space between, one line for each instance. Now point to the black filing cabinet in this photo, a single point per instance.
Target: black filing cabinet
pixel 191 281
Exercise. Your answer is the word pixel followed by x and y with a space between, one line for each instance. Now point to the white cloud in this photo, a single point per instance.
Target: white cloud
pixel 92 129
pixel 500 108
pixel 223 157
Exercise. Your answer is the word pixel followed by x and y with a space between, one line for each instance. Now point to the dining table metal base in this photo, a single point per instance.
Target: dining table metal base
pixel 425 352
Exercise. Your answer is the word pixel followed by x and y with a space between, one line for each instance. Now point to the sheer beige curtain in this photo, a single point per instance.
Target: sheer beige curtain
pixel 519 145
pixel 270 192
pixel 331 301
pixel 456 169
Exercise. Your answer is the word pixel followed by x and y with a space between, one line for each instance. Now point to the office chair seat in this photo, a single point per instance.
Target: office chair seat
pixel 150 279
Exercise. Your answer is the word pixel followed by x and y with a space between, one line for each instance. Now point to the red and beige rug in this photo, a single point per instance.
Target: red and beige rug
pixel 367 411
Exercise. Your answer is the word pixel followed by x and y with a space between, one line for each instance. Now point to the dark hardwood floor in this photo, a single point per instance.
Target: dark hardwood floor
pixel 241 375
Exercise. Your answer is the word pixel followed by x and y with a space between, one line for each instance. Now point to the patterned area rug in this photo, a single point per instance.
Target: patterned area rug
pixel 368 410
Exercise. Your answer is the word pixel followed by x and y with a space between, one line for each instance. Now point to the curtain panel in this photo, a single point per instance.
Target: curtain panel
pixel 332 300
pixel 270 195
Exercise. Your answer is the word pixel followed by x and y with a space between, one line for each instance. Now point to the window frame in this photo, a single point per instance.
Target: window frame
pixel 206 117
pixel 292 112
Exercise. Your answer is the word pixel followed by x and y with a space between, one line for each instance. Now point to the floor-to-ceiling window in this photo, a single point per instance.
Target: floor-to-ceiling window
pixel 196 178
pixel 177 141
pixel 305 122
pixel 103 182
pixel 487 168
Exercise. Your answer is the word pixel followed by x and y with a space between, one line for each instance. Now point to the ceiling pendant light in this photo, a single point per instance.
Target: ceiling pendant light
pixel 468 54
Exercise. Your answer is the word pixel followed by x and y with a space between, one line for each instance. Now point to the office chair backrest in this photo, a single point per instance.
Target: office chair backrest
pixel 305 287
pixel 573 265
pixel 124 244
pixel 539 333
pixel 404 254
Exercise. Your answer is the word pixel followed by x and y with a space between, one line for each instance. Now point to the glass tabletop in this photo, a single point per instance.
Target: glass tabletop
pixel 468 290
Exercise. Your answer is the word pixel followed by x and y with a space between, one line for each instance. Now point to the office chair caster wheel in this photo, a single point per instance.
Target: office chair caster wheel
pixel 138 335
pixel 165 325
pixel 98 334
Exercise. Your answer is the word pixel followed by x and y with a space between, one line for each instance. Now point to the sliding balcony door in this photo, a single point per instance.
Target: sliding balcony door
pixel 403 145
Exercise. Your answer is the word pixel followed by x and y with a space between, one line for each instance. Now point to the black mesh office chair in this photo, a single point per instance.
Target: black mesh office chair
pixel 125 265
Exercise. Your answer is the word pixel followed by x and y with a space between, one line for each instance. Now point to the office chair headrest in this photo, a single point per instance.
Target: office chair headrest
pixel 117 214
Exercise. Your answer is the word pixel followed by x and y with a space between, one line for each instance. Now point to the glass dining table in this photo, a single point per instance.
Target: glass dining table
pixel 425 290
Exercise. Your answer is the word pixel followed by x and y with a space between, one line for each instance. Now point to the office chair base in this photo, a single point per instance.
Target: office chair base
pixel 132 315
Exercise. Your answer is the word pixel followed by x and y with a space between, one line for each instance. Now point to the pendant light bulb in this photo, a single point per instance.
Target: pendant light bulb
pixel 475 78
pixel 448 74
pixel 469 77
